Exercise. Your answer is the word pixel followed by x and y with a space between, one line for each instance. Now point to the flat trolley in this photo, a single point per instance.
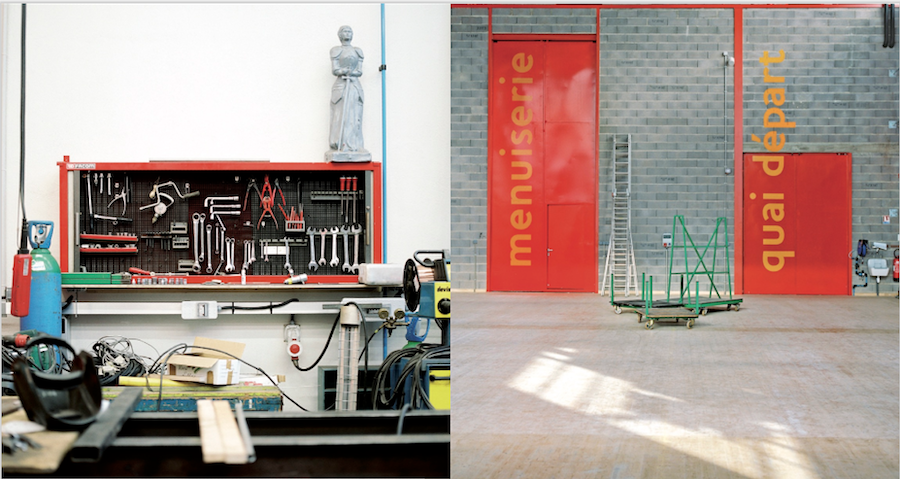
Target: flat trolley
pixel 653 315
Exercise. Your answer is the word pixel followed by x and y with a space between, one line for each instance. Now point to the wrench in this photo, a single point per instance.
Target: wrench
pixel 196 221
pixel 356 231
pixel 263 245
pixel 229 267
pixel 209 256
pixel 202 249
pixel 334 258
pixel 346 267
pixel 287 257
pixel 246 256
pixel 252 252
pixel 322 260
pixel 312 266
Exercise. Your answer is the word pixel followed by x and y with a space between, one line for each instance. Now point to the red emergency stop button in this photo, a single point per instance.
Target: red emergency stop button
pixel 294 348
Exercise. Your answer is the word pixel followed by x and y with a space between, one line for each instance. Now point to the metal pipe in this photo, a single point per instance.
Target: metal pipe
pixel 383 69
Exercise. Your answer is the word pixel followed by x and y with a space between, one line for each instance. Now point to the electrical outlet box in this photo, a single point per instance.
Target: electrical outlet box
pixel 199 310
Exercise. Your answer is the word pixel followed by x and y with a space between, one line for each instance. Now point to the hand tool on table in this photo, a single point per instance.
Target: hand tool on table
pixel 17 442
pixel 195 220
pixel 208 248
pixel 109 183
pixel 287 257
pixel 335 261
pixel 346 267
pixel 322 261
pixel 356 230
pixel 312 266
pixel 101 182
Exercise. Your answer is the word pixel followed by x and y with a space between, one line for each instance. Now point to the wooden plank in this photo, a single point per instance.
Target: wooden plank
pixel 46 460
pixel 232 441
pixel 210 436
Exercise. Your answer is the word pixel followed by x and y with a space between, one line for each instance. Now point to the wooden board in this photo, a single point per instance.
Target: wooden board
pixel 54 446
pixel 220 438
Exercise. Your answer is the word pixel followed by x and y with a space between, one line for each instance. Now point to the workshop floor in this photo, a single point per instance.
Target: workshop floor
pixel 558 386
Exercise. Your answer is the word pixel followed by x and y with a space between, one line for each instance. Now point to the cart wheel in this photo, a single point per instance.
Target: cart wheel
pixel 703 312
pixel 618 310
pixel 737 307
pixel 690 323
pixel 728 308
pixel 650 324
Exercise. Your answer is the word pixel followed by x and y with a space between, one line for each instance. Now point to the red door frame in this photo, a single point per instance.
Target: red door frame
pixel 738 109
pixel 492 38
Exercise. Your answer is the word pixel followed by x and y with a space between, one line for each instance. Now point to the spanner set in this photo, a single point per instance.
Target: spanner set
pixel 267 223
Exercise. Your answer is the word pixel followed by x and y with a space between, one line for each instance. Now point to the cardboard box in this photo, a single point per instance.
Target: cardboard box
pixel 208 367
pixel 374 274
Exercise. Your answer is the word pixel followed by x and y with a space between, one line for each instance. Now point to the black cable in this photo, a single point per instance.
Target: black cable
pixel 254 308
pixel 333 326
pixel 258 369
pixel 403 412
pixel 23 245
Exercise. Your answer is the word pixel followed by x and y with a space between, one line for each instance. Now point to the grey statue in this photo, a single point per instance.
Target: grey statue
pixel 345 136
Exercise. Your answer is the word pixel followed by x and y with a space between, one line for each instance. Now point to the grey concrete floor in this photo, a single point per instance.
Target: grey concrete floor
pixel 558 386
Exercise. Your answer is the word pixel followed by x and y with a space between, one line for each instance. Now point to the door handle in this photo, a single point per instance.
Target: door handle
pixel 549 251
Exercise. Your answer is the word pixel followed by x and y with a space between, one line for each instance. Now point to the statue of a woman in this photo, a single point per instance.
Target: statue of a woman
pixel 345 136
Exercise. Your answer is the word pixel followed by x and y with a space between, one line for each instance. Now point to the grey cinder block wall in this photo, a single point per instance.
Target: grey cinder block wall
pixel 663 79
pixel 842 95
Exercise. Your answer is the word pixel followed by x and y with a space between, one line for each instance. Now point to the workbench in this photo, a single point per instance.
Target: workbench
pixel 184 398
pixel 354 444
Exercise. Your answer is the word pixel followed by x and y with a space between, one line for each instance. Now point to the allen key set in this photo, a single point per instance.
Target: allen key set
pixel 215 223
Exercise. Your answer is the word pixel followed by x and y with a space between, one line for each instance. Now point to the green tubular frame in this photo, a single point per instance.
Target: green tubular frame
pixel 721 222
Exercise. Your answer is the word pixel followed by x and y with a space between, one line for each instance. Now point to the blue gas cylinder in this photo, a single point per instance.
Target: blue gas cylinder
pixel 44 312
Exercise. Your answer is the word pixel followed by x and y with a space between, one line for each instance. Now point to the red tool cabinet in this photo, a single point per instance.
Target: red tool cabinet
pixel 101 234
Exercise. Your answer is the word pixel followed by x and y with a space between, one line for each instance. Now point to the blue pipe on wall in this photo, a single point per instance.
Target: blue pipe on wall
pixel 383 69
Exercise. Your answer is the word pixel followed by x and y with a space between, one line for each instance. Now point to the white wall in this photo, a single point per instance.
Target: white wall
pixel 135 82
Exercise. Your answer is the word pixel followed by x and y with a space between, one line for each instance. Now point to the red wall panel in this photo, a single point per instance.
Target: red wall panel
pixel 542 152
pixel 570 248
pixel 517 232
pixel 796 217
